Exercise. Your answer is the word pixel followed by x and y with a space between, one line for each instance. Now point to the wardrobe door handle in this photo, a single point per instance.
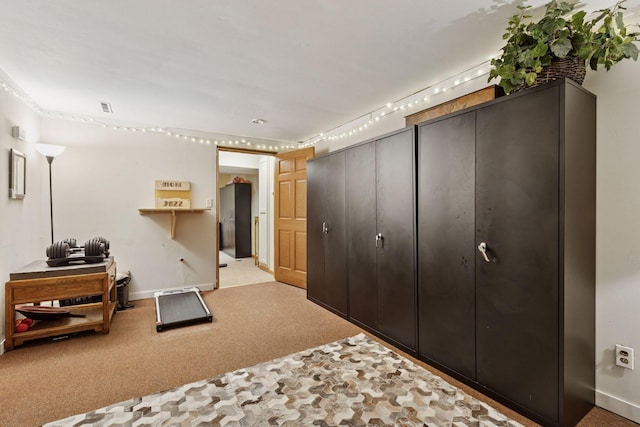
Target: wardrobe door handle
pixel 379 239
pixel 482 247
pixel 325 229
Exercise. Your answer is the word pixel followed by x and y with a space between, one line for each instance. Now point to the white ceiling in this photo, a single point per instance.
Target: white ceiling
pixel 305 66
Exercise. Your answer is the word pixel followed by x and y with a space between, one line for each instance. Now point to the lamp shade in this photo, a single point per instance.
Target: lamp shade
pixel 50 150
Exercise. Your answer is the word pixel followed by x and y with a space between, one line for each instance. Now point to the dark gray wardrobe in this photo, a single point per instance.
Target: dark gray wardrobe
pixel 381 237
pixel 361 235
pixel 503 252
pixel 235 219
pixel 326 233
pixel 507 249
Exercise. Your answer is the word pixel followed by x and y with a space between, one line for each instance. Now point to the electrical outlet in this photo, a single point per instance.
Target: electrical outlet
pixel 624 356
pixel 209 203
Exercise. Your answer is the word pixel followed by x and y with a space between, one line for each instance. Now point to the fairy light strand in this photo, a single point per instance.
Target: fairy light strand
pixel 421 97
pixel 183 136
pixel 346 130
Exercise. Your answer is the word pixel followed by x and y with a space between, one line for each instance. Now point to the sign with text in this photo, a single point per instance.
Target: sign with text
pixel 173 194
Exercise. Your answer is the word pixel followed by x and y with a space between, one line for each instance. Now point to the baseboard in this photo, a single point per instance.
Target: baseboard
pixel 149 294
pixel 264 267
pixel 618 406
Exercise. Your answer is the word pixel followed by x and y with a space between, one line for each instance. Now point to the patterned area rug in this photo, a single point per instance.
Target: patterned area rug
pixel 353 382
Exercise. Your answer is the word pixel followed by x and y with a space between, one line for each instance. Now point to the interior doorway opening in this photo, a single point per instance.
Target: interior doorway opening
pixel 245 217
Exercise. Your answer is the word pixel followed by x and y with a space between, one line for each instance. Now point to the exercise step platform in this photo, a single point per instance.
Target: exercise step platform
pixel 180 308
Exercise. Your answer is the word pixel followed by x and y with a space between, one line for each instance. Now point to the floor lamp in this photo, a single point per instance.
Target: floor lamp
pixel 50 152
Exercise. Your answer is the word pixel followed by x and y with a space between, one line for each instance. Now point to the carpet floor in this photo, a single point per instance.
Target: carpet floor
pixel 46 380
pixel 355 382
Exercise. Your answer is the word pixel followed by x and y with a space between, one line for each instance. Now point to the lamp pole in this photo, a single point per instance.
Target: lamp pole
pixel 50 160
pixel 50 151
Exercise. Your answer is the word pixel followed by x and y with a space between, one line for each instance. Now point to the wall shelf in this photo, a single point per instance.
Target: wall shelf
pixel 173 213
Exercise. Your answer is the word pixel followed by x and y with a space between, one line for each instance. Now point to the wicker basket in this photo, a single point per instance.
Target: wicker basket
pixel 571 67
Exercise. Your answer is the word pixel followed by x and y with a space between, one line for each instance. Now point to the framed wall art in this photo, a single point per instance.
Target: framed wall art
pixel 17 174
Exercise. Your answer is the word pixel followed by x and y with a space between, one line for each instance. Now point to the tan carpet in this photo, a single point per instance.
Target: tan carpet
pixel 241 271
pixel 45 381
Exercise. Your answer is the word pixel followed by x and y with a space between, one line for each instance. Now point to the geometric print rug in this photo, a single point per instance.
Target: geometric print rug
pixel 352 382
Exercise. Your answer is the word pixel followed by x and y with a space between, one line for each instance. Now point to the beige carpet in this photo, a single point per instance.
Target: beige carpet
pixel 46 381
pixel 241 271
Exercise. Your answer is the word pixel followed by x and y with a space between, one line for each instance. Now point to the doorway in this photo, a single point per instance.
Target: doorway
pixel 245 212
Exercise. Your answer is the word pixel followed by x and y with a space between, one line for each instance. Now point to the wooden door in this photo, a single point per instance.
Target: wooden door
pixel 517 214
pixel 446 236
pixel 290 228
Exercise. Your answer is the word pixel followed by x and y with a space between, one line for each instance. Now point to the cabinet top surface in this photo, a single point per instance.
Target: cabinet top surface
pixel 39 269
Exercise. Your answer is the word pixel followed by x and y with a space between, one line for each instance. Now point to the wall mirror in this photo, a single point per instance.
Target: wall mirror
pixel 17 174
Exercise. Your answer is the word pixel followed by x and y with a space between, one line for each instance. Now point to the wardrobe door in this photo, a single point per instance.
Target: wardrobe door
pixel 396 263
pixel 335 254
pixel 326 243
pixel 227 208
pixel 242 219
pixel 315 231
pixel 361 234
pixel 517 208
pixel 446 206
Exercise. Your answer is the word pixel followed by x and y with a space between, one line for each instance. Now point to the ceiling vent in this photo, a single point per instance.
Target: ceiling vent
pixel 106 107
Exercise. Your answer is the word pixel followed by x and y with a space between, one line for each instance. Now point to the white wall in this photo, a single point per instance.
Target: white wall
pixel 23 222
pixel 617 235
pixel 266 211
pixel 106 175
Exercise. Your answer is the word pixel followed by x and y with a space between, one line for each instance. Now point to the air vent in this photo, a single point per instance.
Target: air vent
pixel 106 107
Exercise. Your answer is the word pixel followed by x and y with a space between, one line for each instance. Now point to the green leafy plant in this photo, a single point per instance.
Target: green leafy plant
pixel 603 40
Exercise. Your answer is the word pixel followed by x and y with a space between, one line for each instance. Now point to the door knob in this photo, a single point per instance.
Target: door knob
pixel 482 247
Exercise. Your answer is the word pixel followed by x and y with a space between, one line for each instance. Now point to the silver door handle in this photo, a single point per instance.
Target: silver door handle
pixel 325 229
pixel 379 239
pixel 482 247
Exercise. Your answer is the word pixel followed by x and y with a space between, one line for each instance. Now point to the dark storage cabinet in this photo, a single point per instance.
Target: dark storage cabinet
pixel 516 176
pixel 381 236
pixel 235 219
pixel 326 244
pixel 483 265
pixel 446 220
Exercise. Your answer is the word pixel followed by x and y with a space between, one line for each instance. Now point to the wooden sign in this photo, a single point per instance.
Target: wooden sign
pixel 173 194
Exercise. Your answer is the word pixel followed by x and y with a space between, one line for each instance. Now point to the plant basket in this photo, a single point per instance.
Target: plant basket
pixel 571 67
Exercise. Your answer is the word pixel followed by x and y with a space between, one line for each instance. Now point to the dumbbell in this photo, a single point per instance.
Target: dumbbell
pixel 93 251
pixel 59 253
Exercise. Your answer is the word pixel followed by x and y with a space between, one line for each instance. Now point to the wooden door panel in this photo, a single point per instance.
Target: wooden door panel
pixel 300 199
pixel 300 251
pixel 284 166
pixel 300 164
pixel 284 240
pixel 285 201
pixel 291 217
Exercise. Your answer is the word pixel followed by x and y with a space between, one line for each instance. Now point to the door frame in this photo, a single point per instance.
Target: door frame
pixel 232 150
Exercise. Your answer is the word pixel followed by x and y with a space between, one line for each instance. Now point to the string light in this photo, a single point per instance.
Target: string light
pixel 353 127
pixel 180 136
pixel 422 96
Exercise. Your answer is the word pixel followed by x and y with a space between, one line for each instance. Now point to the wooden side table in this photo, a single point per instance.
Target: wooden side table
pixel 37 282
